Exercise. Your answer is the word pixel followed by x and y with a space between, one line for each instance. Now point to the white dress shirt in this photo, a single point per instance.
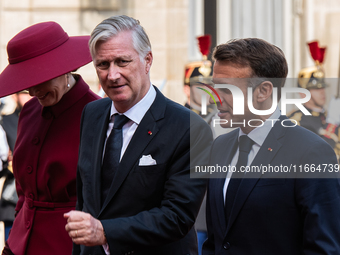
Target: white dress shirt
pixel 135 114
pixel 258 135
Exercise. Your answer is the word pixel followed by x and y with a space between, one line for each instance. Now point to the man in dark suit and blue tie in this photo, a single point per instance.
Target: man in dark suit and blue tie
pixel 135 194
pixel 267 212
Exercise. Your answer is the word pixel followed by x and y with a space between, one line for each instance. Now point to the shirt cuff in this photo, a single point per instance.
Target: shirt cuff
pixel 106 248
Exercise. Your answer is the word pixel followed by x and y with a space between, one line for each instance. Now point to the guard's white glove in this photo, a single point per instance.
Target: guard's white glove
pixel 333 116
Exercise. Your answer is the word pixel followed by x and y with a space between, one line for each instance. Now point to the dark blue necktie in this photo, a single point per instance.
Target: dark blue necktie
pixel 112 154
pixel 245 145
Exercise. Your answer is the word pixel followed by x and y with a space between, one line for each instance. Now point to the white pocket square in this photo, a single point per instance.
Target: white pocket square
pixel 147 161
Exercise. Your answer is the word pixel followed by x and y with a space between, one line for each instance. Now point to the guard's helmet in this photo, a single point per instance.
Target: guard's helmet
pixel 313 77
pixel 199 71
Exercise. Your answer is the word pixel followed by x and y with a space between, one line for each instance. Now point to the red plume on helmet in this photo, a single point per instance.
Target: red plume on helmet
pixel 317 53
pixel 200 71
pixel 204 43
pixel 313 77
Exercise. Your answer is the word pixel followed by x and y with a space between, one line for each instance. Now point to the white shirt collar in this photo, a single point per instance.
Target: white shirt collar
pixel 259 134
pixel 137 112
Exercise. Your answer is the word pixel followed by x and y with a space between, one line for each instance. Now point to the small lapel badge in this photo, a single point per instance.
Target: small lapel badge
pixel 149 132
pixel 270 149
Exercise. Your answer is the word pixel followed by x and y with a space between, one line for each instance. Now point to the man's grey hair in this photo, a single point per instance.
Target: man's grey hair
pixel 110 27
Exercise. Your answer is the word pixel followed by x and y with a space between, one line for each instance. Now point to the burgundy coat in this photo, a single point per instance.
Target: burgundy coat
pixel 45 164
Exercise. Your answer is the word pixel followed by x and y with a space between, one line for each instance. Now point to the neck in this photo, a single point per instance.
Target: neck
pixel 255 121
pixel 313 107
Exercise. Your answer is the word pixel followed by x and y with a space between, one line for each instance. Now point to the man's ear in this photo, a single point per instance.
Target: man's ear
pixel 302 95
pixel 264 91
pixel 148 61
pixel 186 90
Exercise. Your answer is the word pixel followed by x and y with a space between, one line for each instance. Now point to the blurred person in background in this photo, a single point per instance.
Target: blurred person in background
pixel 4 149
pixel 9 122
pixel 323 123
pixel 10 116
pixel 197 75
pixel 41 59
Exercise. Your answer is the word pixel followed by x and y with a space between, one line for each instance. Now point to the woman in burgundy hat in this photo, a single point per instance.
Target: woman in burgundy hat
pixel 41 59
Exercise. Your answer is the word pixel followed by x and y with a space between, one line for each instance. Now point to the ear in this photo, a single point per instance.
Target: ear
pixel 148 61
pixel 264 91
pixel 302 95
pixel 186 89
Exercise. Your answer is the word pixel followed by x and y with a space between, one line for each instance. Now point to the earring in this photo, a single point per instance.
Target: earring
pixel 68 84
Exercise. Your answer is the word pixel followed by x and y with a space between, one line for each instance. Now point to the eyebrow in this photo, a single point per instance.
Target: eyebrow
pixel 110 59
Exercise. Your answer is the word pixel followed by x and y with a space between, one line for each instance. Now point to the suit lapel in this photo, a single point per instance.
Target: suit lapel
pixel 100 123
pixel 137 145
pixel 217 184
pixel 263 157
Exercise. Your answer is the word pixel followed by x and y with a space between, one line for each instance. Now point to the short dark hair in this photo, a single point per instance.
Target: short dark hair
pixel 266 60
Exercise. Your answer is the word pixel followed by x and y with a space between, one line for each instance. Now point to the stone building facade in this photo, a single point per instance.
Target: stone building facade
pixel 173 25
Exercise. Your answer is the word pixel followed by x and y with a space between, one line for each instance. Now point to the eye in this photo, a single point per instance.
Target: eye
pixel 103 65
pixel 123 62
pixel 224 90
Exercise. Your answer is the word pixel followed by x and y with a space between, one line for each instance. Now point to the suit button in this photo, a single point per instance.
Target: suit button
pixel 35 140
pixel 28 224
pixel 226 246
pixel 29 169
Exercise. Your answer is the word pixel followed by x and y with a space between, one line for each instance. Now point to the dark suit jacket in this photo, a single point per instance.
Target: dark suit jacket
pixel 273 216
pixel 149 209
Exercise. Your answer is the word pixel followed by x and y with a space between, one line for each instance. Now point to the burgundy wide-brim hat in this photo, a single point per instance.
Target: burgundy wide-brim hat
pixel 40 53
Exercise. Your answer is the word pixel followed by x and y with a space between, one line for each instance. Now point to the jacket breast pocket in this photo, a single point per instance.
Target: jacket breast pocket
pixel 148 182
pixel 152 169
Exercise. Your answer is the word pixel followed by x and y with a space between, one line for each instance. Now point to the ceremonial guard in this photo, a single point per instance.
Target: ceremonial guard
pixel 197 75
pixel 313 79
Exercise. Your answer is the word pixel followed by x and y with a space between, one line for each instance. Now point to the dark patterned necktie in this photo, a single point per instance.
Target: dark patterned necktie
pixel 245 145
pixel 112 154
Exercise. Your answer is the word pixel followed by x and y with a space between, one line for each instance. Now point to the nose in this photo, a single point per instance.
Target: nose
pixel 211 101
pixel 114 72
pixel 32 91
